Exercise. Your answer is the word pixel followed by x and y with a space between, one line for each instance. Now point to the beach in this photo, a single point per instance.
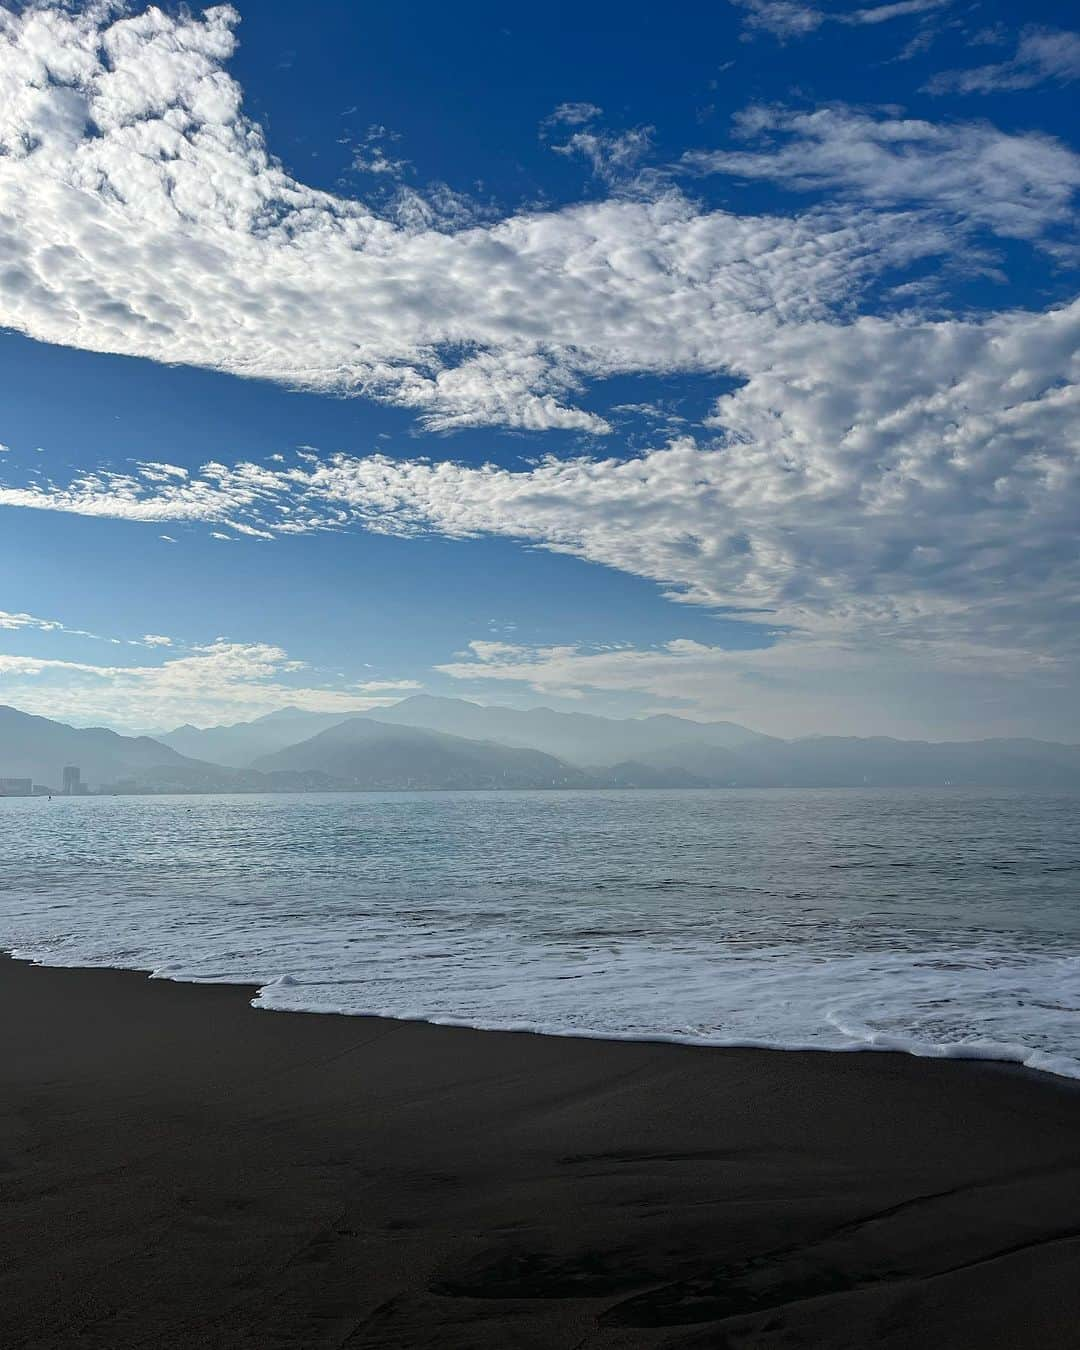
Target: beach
pixel 179 1169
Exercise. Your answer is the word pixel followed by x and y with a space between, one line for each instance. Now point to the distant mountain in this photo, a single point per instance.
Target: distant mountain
pixel 238 744
pixel 364 753
pixel 38 748
pixel 579 738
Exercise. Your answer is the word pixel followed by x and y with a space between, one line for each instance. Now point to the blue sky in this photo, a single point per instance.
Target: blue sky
pixel 620 357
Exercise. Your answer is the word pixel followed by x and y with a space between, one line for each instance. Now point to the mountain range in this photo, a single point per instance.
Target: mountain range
pixel 577 738
pixel 435 743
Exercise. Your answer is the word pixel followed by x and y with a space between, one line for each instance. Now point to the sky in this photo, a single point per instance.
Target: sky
pixel 717 360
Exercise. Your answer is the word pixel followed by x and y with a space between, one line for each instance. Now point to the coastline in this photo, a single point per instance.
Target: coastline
pixel 180 1169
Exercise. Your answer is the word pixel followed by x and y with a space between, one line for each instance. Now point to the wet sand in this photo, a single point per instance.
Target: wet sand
pixel 177 1169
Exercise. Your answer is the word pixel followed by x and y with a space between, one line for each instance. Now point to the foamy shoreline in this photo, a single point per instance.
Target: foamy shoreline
pixel 1018 1057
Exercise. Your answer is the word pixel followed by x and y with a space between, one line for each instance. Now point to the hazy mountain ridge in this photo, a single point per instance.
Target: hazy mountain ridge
pixel 38 748
pixel 236 745
pixel 367 753
pixel 356 754
pixel 583 739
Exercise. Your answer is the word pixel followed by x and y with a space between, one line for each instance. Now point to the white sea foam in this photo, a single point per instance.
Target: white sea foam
pixel 938 927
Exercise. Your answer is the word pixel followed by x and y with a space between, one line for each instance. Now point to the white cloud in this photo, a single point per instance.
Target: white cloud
pixel 1042 55
pixel 900 9
pixel 791 18
pixel 572 115
pixel 31 622
pixel 12 622
pixel 882 477
pixel 141 213
pixel 872 484
pixel 4 449
pixel 219 681
pixel 372 154
pixel 387 686
pixel 781 18
pixel 612 155
pixel 1019 185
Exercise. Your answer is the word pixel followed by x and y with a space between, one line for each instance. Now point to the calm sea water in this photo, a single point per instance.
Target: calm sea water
pixel 938 922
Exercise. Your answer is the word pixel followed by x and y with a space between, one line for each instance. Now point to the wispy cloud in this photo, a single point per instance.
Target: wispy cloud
pixel 1019 185
pixel 373 154
pixel 782 18
pixel 792 19
pixel 387 686
pixel 571 115
pixel 12 622
pixel 613 156
pixel 1043 55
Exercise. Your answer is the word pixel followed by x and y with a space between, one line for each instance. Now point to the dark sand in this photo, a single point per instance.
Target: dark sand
pixel 177 1169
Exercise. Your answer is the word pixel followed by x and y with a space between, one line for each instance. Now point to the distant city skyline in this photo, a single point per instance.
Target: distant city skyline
pixel 716 363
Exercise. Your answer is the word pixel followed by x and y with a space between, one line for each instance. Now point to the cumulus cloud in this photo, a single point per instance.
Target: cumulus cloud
pixel 218 681
pixel 142 213
pixel 1019 185
pixel 1042 55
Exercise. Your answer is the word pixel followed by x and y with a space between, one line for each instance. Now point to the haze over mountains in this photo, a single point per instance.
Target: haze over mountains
pixel 37 748
pixel 370 754
pixel 434 743
pixel 238 744
pixel 578 738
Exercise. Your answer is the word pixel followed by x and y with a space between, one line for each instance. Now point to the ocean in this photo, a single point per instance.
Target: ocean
pixel 938 922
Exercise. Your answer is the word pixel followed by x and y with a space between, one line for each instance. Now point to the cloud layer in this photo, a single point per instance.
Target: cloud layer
pixel 141 213
pixel 896 487
pixel 915 478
